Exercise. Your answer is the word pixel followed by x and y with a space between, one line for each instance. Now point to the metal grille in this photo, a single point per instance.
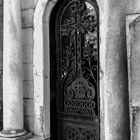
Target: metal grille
pixel 77 37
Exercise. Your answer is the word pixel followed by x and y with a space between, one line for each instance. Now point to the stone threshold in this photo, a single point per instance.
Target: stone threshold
pixel 25 137
pixel 28 136
pixel 34 137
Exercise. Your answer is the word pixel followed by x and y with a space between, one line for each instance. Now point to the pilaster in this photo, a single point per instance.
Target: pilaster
pixel 12 74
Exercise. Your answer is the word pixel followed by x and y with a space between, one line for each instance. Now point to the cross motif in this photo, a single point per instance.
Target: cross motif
pixel 80 23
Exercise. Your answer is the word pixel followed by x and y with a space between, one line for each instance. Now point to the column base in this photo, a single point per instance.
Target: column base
pixel 15 135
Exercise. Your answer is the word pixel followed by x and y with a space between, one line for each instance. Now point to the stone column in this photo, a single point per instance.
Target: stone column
pixel 12 72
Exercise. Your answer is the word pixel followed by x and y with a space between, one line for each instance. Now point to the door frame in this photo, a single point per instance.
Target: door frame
pixel 41 69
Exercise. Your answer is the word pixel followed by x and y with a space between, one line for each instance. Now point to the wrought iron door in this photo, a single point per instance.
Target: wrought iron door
pixel 77 39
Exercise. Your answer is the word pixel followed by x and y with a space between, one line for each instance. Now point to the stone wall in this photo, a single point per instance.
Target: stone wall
pixel 27 13
pixel 116 86
pixel 133 7
pixel 133 43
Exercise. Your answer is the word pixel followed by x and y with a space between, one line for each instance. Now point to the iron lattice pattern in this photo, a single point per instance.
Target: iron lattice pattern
pixel 78 133
pixel 78 66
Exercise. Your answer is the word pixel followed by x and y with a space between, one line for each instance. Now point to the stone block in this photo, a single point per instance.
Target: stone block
pixel 28 107
pixel 27 71
pixel 129 7
pixel 28 4
pixel 135 88
pixel 133 6
pixel 28 89
pixel 1 115
pixel 36 138
pixel 27 18
pixel 29 124
pixel 27 54
pixel 1 2
pixel 135 123
pixel 1 56
pixel 1 35
pixel 27 36
pixel 24 137
pixel 1 89
pixel 1 14
pixel 1 39
pixel 129 19
pixel 134 65
pixel 136 4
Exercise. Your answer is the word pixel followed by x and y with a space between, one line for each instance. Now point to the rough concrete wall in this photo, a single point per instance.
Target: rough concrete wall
pixel 27 12
pixel 116 82
pixel 1 59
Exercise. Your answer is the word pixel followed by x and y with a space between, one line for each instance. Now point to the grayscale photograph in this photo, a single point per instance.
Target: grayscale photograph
pixel 69 69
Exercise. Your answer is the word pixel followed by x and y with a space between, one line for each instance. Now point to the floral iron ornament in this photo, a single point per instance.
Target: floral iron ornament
pixel 78 50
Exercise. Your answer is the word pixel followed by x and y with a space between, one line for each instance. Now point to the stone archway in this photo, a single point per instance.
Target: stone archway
pixel 113 103
pixel 41 69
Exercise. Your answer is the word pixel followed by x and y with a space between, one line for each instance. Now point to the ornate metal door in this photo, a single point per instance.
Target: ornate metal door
pixel 77 39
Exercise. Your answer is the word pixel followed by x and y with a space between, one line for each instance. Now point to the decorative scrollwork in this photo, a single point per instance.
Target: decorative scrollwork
pixel 79 133
pixel 80 89
pixel 78 67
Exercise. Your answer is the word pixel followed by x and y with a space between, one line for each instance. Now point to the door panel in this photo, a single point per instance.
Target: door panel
pixel 77 39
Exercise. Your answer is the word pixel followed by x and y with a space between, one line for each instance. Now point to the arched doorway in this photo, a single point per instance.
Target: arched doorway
pixel 113 82
pixel 74 71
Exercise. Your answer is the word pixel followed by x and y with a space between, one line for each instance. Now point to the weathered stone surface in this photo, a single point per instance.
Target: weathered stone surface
pixel 133 6
pixel 135 123
pixel 134 76
pixel 28 89
pixel 27 71
pixel 38 69
pixel 12 68
pixel 36 138
pixel 1 115
pixel 29 124
pixel 1 2
pixel 1 57
pixel 28 4
pixel 1 14
pixel 28 107
pixel 27 18
pixel 24 137
pixel 129 19
pixel 0 91
pixel 116 96
pixel 27 54
pixel 1 35
pixel 27 36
